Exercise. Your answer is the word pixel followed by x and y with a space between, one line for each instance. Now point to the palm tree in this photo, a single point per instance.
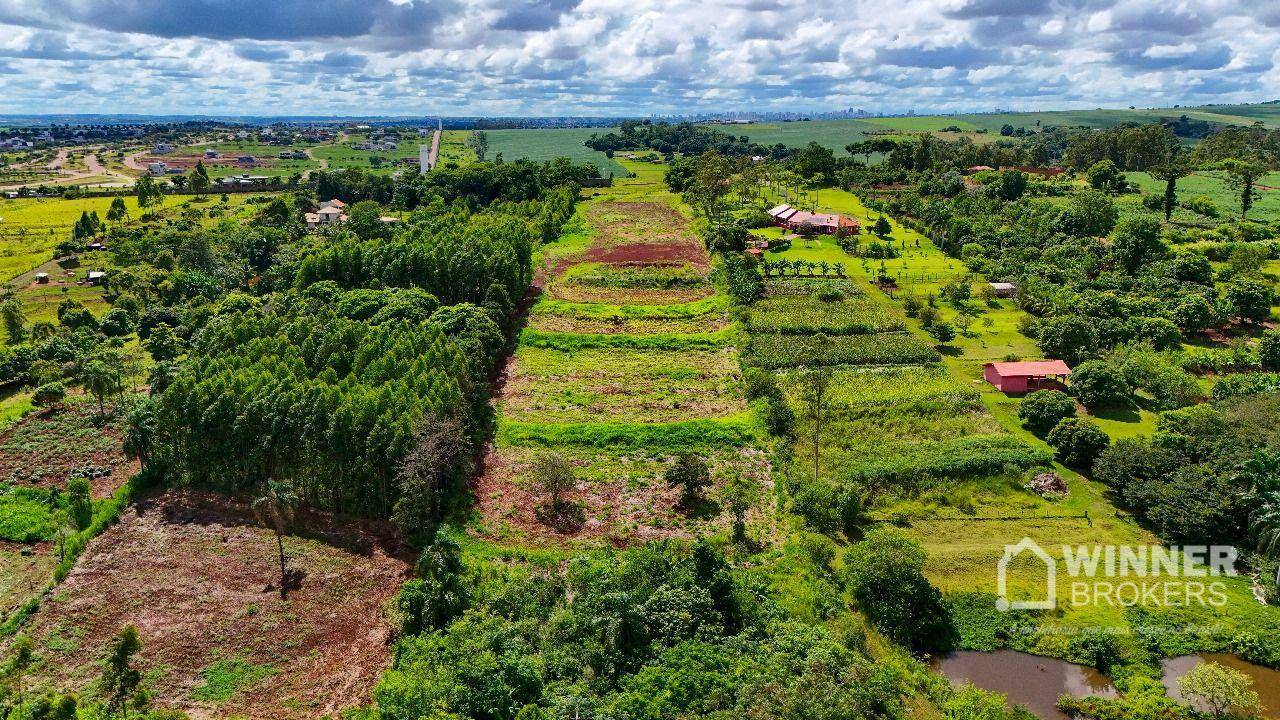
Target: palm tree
pixel 275 507
pixel 1261 474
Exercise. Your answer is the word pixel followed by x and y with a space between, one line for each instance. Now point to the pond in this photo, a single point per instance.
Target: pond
pixel 1266 682
pixel 1030 680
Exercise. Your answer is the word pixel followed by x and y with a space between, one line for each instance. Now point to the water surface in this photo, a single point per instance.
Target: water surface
pixel 1030 680
pixel 1266 682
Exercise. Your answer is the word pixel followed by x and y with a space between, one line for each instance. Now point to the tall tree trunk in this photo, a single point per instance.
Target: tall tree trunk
pixel 280 547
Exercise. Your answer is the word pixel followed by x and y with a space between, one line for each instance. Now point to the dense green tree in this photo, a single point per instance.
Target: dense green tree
pixel 886 579
pixel 118 211
pixel 1077 442
pixel 199 179
pixel 1041 410
pixel 148 192
pixel 1105 176
pixel 1100 384
pixel 1251 299
pixel 1223 689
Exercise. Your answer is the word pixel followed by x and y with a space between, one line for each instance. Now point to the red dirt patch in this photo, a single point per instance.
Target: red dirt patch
pixel 650 253
pixel 635 232
pixel 629 505
pixel 197 577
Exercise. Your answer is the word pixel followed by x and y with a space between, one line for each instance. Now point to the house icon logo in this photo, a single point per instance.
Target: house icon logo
pixel 1003 604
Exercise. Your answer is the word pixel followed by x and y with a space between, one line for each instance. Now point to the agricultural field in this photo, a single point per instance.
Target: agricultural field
pixel 943 453
pixel 197 575
pixel 1225 201
pixel 626 361
pixel 549 144
pixel 832 134
pixel 39 453
pixel 30 228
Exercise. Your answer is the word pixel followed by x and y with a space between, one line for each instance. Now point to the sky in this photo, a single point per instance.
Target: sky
pixel 629 57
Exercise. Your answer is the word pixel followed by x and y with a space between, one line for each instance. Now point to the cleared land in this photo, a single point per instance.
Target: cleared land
pixel 197 577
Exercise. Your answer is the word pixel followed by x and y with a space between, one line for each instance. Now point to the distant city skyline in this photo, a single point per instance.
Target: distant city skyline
pixel 614 58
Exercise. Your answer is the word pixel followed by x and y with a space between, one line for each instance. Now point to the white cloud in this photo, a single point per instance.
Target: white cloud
pixel 627 56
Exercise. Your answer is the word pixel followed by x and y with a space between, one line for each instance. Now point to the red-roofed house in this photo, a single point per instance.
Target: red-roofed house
pixel 1020 377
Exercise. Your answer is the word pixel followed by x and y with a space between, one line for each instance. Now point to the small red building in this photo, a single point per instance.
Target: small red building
pixel 1020 377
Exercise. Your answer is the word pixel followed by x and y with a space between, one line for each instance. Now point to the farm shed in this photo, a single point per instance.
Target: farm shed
pixel 1004 289
pixel 42 277
pixel 97 277
pixel 1020 377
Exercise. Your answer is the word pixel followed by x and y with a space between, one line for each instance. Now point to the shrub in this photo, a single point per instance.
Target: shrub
pixel 1202 205
pixel 1077 442
pixel 1269 350
pixel 1043 409
pixel 885 574
pixel 49 394
pixel 1099 384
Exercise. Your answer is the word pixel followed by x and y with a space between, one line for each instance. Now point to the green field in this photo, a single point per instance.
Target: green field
pixel 836 134
pixel 1213 184
pixel 549 144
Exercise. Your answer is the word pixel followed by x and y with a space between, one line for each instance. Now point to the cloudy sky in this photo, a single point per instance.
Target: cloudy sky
pixel 601 57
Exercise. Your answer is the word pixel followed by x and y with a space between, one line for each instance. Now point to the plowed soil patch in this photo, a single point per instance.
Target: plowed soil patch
pixel 198 578
pixel 649 252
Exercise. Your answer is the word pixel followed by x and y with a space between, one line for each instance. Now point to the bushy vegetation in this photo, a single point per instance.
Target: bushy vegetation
pixel 659 631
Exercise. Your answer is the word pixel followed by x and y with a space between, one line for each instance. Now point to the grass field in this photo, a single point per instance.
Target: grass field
pixel 31 228
pixel 1213 185
pixel 549 144
pixel 454 149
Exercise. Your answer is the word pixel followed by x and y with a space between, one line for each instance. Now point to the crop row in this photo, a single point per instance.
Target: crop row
pixel 570 342
pixel 776 351
pixel 733 431
pixel 804 316
pixel 807 287
pixel 716 304
pixel 963 457
pixel 656 277
pixel 893 387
